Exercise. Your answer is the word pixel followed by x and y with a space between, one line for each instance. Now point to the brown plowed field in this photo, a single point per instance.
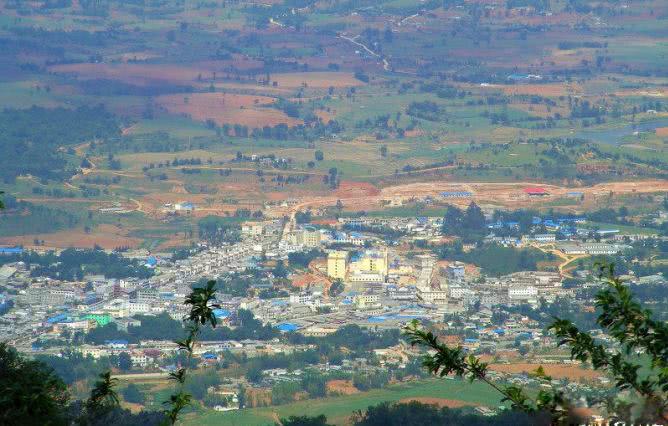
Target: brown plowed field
pixel 226 108
pixel 105 236
pixel 557 371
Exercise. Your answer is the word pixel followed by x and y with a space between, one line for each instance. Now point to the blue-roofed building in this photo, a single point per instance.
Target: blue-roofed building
pixel 56 319
pixel 221 313
pixel 166 295
pixel 151 262
pixel 339 236
pixel 456 194
pixel 287 327
pixel 10 250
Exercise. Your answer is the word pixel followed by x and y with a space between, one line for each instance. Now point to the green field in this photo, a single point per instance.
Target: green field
pixel 338 409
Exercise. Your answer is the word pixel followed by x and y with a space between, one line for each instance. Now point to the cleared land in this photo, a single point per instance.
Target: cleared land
pixel 559 371
pixel 225 108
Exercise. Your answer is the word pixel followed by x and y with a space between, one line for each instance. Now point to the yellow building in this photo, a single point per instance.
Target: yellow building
pixel 310 238
pixel 371 261
pixel 337 264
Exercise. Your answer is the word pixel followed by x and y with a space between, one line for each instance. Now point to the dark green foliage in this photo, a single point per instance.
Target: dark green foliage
pixel 301 259
pixel 496 259
pixel 314 384
pixel 30 390
pixel 216 230
pixel 124 361
pixel 200 382
pixel 456 361
pixel 72 366
pixel 320 420
pixel 133 394
pixel 303 217
pixel 418 414
pixel 103 397
pixel 254 374
pixel 32 138
pixel 468 224
pixel 32 394
pixel 249 328
pixel 336 288
pixel 202 303
pixel 634 329
pixel 280 271
pixel 158 327
pixel 426 110
pixel 365 382
pixel 284 392
pixel 21 218
pixel 354 338
pixel 72 264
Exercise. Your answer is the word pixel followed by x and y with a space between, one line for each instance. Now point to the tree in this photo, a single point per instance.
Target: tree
pixel 254 374
pixel 201 302
pixel 336 288
pixel 418 414
pixel 474 218
pixel 30 390
pixel 132 394
pixel 124 361
pixel 383 151
pixel 319 156
pixel 320 420
pixel 633 329
pixel 103 399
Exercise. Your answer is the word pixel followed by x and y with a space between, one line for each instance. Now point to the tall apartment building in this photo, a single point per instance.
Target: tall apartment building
pixel 337 264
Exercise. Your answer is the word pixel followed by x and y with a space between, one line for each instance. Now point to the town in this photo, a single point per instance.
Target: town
pixel 487 280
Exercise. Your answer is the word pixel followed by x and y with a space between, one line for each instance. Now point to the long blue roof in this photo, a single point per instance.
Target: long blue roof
pixel 11 250
pixel 287 326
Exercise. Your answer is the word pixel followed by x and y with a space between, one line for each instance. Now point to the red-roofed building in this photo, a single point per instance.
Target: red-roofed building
pixel 536 191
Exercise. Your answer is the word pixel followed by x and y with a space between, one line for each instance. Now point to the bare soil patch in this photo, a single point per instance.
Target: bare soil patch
pixel 341 387
pixel 356 189
pixel 227 108
pixel 557 371
pixel 105 236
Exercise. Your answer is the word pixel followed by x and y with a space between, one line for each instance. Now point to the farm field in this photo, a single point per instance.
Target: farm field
pixel 233 108
pixel 338 409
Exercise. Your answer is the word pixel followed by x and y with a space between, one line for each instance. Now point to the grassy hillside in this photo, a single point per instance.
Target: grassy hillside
pixel 338 409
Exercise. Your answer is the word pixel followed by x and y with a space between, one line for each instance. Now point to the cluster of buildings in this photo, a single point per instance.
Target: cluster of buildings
pixel 384 281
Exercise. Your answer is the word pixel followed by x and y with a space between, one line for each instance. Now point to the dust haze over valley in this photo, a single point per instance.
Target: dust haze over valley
pixel 340 167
